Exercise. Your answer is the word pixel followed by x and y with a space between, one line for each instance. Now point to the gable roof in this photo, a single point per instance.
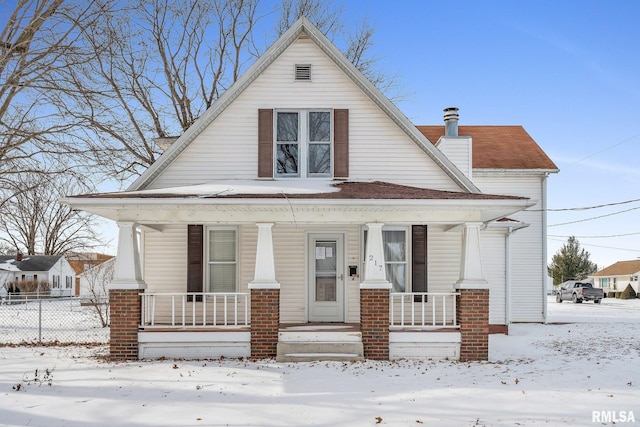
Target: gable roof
pixel 300 27
pixel 620 268
pixel 29 262
pixel 499 147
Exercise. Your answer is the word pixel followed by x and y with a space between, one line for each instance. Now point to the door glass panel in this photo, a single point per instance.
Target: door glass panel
pixel 326 271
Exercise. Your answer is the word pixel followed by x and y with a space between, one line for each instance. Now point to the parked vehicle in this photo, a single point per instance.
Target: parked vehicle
pixel 578 292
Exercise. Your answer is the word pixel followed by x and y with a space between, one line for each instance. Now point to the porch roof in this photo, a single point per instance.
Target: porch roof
pixel 299 201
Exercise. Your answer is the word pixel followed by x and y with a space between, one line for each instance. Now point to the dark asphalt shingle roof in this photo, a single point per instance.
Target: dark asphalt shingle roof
pixel 32 262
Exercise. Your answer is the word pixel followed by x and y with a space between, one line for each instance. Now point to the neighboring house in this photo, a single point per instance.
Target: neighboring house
pixel 94 281
pixel 303 213
pixel 616 277
pixel 54 269
pixel 82 262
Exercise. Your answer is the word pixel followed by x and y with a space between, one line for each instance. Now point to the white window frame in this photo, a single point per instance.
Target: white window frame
pixel 303 143
pixel 408 254
pixel 56 281
pixel 68 282
pixel 208 262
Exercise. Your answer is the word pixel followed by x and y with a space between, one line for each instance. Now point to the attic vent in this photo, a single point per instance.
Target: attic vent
pixel 303 72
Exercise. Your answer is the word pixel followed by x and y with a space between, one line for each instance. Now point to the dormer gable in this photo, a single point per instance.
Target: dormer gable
pixel 341 115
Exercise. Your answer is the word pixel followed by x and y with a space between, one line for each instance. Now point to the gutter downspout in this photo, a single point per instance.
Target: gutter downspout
pixel 544 247
pixel 507 277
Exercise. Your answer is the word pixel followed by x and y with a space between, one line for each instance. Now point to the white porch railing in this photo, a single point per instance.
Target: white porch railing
pixel 195 310
pixel 423 310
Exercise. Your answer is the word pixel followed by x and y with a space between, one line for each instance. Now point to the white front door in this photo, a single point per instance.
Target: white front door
pixel 326 278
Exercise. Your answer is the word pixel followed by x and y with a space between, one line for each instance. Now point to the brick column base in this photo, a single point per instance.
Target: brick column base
pixel 124 306
pixel 374 323
pixel 265 321
pixel 472 314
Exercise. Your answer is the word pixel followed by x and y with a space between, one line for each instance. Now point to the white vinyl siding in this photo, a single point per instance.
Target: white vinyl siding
pixel 492 244
pixel 166 261
pixel 443 259
pixel 374 140
pixel 459 150
pixel 528 263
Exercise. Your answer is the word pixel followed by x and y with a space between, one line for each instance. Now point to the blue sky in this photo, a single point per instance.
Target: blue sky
pixel 568 71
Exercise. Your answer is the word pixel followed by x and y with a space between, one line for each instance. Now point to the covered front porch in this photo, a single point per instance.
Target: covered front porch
pixel 278 247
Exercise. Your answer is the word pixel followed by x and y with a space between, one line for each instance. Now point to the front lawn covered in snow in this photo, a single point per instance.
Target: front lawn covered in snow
pixel 586 359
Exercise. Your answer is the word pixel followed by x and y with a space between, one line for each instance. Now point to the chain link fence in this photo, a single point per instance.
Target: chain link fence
pixel 34 319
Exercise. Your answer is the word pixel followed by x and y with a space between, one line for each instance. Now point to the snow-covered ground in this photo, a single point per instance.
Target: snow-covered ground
pixel 587 359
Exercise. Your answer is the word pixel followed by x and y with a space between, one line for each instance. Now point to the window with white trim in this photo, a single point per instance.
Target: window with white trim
pixel 395 241
pixel 221 259
pixel 68 282
pixel 56 282
pixel 303 143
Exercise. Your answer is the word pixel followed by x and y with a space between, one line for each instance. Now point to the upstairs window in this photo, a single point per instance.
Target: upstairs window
pixel 303 143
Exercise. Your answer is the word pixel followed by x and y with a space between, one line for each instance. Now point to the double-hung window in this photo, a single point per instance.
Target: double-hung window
pixel 395 244
pixel 221 258
pixel 303 143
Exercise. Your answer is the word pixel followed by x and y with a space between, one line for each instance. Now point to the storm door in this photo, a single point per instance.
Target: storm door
pixel 326 278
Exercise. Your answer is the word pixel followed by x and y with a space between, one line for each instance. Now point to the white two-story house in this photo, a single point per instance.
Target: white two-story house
pixel 303 213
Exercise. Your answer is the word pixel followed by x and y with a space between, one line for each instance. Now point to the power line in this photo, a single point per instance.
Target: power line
pixel 584 208
pixel 596 237
pixel 603 150
pixel 600 246
pixel 592 218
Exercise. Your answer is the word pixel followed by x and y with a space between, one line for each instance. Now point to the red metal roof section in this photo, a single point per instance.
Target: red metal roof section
pixel 498 147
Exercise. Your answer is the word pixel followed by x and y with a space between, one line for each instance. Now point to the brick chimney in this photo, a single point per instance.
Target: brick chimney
pixel 19 256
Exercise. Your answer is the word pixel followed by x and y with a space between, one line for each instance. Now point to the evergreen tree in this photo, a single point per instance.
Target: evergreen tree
pixel 571 263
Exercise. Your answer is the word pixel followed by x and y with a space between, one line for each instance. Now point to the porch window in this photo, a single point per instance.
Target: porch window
pixel 221 259
pixel 303 143
pixel 394 241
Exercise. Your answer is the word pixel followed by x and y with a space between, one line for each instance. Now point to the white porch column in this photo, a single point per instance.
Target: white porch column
pixel 128 273
pixel 471 274
pixel 265 271
pixel 375 273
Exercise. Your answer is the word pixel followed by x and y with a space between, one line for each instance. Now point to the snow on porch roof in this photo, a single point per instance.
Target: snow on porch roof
pixel 300 189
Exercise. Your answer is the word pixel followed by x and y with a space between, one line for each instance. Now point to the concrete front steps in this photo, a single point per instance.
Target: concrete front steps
pixel 319 342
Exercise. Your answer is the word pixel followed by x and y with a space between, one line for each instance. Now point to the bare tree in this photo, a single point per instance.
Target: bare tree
pixel 35 222
pixel 36 40
pixel 96 281
pixel 157 65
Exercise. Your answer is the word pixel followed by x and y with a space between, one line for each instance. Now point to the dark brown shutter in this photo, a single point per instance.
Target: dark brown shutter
pixel 265 143
pixel 195 246
pixel 419 258
pixel 341 143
